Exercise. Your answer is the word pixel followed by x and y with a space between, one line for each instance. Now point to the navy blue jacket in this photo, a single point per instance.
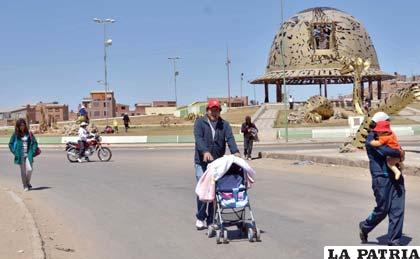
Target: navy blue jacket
pixel 204 139
pixel 377 157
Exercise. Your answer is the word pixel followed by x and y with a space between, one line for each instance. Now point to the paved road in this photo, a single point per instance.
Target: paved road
pixel 141 205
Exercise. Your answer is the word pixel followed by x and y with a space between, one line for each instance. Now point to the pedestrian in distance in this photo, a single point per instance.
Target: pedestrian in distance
pixel 115 125
pixel 250 132
pixel 211 133
pixel 83 115
pixel 389 192
pixel 24 147
pixel 126 120
pixel 290 102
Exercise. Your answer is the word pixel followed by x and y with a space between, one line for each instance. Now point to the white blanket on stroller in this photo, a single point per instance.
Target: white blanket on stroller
pixel 206 186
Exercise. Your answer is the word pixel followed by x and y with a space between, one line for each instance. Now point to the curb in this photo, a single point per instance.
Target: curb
pixel 408 170
pixel 38 251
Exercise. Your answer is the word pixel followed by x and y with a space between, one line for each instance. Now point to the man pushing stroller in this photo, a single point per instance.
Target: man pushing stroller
pixel 211 133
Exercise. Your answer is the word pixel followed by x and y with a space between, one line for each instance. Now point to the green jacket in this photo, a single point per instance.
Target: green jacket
pixel 15 146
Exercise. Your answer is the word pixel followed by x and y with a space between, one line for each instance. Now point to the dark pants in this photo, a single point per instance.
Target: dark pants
pixel 205 211
pixel 290 105
pixel 248 144
pixel 390 201
pixel 82 148
pixel 126 127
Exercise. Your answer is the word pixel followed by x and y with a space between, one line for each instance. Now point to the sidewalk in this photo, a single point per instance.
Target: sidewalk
pixel 16 236
pixel 356 159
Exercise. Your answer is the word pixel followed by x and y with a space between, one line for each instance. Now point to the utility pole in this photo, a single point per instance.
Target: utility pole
pixel 176 73
pixel 242 79
pixel 107 43
pixel 228 61
pixel 282 47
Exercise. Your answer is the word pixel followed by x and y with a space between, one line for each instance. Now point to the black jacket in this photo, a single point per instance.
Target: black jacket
pixel 126 119
pixel 245 129
pixel 377 157
pixel 204 139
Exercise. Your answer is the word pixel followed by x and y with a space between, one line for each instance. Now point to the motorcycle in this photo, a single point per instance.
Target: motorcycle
pixel 93 145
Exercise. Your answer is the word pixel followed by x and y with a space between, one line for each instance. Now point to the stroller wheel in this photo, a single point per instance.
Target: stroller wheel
pixel 258 234
pixel 250 235
pixel 218 237
pixel 211 231
pixel 225 237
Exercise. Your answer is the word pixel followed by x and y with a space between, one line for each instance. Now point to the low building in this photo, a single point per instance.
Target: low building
pixel 236 101
pixel 53 112
pixel 140 108
pixel 122 109
pixel 26 112
pixel 5 118
pixel 197 108
pixel 160 110
pixel 164 104
pixel 98 106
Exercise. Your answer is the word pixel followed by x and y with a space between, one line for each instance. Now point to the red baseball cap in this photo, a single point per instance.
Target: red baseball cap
pixel 212 103
pixel 383 126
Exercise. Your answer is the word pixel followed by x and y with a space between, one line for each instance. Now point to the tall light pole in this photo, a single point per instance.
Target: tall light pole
pixel 228 61
pixel 176 73
pixel 242 79
pixel 282 48
pixel 107 43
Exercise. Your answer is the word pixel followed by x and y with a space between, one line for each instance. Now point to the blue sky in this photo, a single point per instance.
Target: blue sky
pixel 52 50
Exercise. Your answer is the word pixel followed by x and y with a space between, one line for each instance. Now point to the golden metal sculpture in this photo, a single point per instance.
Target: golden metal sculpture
pixel 356 66
pixel 390 105
pixel 315 109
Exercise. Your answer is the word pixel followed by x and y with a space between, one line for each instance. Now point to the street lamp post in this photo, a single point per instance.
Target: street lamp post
pixel 107 43
pixel 176 73
pixel 282 47
pixel 242 79
pixel 228 61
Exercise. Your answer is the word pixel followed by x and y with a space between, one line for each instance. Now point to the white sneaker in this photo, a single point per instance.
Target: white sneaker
pixel 200 224
pixel 79 160
pixel 26 189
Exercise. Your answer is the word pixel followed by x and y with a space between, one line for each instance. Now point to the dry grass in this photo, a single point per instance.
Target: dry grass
pixel 178 126
pixel 178 130
pixel 280 122
pixel 237 115
pixel 156 131
pixel 145 120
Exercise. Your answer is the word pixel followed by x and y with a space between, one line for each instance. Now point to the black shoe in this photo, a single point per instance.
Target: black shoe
pixel 363 236
pixel 29 186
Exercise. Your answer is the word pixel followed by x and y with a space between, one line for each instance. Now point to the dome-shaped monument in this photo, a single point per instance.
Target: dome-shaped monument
pixel 315 42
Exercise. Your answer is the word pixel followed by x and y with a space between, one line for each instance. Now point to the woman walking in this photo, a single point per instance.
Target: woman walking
pixel 24 147
pixel 250 132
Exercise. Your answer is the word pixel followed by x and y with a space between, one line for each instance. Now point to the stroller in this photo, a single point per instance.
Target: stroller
pixel 232 203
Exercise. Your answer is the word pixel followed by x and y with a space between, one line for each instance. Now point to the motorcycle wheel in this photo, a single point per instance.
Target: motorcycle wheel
pixel 72 155
pixel 104 154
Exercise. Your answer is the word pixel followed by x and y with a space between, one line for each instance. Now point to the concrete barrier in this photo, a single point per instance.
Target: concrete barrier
pixel 341 132
pixel 112 139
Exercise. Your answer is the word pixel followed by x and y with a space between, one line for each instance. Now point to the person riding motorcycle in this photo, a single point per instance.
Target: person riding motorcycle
pixel 82 141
